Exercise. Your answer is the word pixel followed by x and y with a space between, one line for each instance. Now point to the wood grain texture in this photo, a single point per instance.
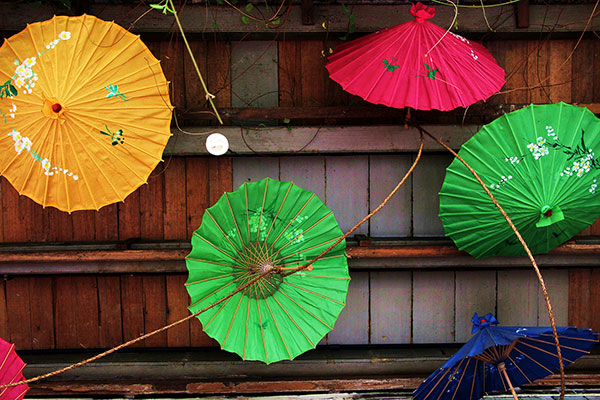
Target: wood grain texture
pixel 219 73
pixel 390 307
pixel 155 309
pixel 427 181
pixel 177 303
pixel 107 223
pixel 194 92
pixel 352 326
pixel 57 225
pixel 251 169
pixel 433 307
pixel 346 193
pixel 517 298
pixel 171 61
pixel 290 89
pixel 76 312
pixel 130 217
pixel 475 292
pixel 18 299
pixel 516 66
pixel 307 172
pixel 313 73
pixel 197 189
pixel 557 285
pixel 220 171
pixel 41 313
pixel 560 69
pixel 110 330
pixel 175 195
pixel 132 305
pixel 84 226
pixel 4 328
pixel 254 74
pixel 14 228
pixel 580 285
pixel 582 72
pixel 395 219
pixel 538 71
pixel 151 206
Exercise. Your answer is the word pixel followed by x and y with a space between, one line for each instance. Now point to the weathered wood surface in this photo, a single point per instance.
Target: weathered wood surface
pixel 368 18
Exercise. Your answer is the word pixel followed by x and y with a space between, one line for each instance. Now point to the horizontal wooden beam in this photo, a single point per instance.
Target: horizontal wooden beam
pixel 201 19
pixel 405 256
pixel 318 139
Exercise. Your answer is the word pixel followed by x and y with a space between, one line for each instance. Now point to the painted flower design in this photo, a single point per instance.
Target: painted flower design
pixel 580 166
pixel 19 146
pixel 64 35
pixel 593 187
pixel 46 164
pixel 16 135
pixel 513 160
pixel 503 180
pixel 538 149
pixel 12 110
pixel 29 62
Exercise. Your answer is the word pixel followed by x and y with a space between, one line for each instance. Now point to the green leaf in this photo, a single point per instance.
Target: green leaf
pixel 276 21
pixel 346 9
pixel 215 26
pixel 345 37
pixel 157 6
pixel 13 90
pixel 286 120
pixel 249 7
pixel 352 17
pixel 352 28
pixel 245 20
pixel 220 2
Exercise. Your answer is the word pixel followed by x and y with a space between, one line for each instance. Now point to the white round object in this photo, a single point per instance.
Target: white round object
pixel 217 144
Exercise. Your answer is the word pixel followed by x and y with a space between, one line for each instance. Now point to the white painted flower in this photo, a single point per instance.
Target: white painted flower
pixel 19 81
pixel 28 74
pixel 26 143
pixel 16 135
pixel 531 146
pixel 541 141
pixel 19 146
pixel 579 173
pixel 64 35
pixel 29 62
pixel 13 108
pixel 20 70
pixel 75 177
pixel 46 164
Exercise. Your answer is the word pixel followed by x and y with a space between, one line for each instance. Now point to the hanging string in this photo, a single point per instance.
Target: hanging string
pixel 529 254
pixel 239 289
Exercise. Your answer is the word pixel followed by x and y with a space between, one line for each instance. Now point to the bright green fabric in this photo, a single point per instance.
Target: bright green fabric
pixel 287 226
pixel 542 157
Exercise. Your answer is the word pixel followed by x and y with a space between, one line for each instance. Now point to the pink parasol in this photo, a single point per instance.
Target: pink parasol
pixel 11 370
pixel 416 64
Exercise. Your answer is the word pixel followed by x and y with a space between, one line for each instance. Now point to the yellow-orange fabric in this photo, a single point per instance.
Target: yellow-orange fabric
pixel 84 112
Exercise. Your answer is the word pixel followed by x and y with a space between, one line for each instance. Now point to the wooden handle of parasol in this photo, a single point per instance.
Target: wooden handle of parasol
pixel 502 369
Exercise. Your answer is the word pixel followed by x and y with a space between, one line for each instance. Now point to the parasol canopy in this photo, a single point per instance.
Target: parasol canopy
pixel 497 358
pixel 416 64
pixel 542 165
pixel 11 370
pixel 84 112
pixel 268 227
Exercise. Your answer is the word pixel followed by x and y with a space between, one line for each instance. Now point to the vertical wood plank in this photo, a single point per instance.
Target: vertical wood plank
pixel 84 226
pixel 557 285
pixel 197 188
pixel 475 292
pixel 433 307
pixel 41 313
pixel 254 74
pixel 4 332
pixel 132 305
pixel 390 305
pixel 348 198
pixel 107 223
pixel 314 74
pixel 517 298
pixel 129 217
pixel 155 309
pixel 560 68
pixel 57 225
pixel 65 307
pixel 516 67
pixel 18 302
pixel 580 284
pixel 308 172
pixel 197 336
pixel 13 228
pixel 177 303
pixel 582 89
pixel 171 60
pixel 427 180
pixel 395 218
pixel 253 169
pixel 32 214
pixel 175 200
pixel 352 326
pixel 194 93
pixel 109 302
pixel 290 89
pixel 218 72
pixel 76 312
pixel 594 303
pixel 221 177
pixel 538 76
pixel 151 206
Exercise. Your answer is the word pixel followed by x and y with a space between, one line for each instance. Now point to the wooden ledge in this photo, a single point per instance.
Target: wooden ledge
pixel 151 258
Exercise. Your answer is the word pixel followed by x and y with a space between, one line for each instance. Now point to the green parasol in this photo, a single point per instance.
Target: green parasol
pixel 275 227
pixel 540 164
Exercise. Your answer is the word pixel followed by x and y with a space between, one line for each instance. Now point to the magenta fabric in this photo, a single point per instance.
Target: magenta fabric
pixel 11 370
pixel 392 67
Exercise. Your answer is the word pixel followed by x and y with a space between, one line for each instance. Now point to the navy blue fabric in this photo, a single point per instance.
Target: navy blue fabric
pixel 463 377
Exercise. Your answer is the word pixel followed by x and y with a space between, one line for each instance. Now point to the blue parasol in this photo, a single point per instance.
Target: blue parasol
pixel 497 358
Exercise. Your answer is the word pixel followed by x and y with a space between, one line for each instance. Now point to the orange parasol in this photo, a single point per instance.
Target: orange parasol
pixel 84 112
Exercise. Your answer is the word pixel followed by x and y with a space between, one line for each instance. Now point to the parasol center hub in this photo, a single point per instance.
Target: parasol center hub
pixel 267 267
pixel 56 107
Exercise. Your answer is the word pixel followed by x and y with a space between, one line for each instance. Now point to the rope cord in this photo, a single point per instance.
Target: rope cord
pixel 529 254
pixel 239 289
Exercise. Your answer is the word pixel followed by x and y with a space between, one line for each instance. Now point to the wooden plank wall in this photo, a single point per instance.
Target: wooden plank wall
pixel 383 306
